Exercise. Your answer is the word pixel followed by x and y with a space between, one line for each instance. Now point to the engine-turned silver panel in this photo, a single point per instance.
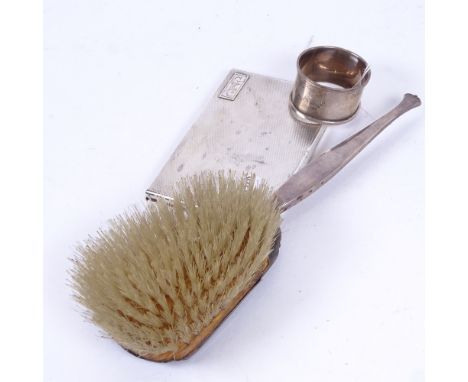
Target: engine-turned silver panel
pixel 246 127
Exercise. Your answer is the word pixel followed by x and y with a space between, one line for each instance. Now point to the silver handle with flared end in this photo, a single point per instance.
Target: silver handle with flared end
pixel 325 166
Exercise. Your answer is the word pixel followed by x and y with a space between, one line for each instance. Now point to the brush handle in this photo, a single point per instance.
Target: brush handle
pixel 311 177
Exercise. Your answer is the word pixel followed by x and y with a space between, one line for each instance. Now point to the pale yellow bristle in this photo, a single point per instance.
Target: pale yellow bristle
pixel 157 276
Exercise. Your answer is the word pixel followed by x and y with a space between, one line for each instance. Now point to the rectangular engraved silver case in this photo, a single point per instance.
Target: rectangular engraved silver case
pixel 246 127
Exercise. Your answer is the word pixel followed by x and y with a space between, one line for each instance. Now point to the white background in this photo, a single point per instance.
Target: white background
pixel 124 81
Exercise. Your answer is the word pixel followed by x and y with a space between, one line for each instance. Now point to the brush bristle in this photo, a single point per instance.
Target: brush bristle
pixel 157 276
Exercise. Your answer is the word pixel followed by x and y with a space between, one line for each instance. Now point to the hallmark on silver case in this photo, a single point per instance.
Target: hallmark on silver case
pixel 234 86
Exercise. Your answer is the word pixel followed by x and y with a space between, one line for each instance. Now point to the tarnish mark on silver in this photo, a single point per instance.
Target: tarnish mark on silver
pixel 234 86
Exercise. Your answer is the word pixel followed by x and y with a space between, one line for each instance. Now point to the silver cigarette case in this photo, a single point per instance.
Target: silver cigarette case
pixel 246 127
